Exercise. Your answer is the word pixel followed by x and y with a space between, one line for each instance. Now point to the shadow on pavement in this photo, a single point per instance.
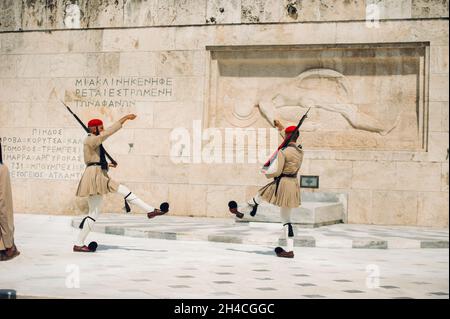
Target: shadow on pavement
pixel 109 247
pixel 266 253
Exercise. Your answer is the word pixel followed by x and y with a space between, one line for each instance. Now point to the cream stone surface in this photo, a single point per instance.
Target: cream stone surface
pixel 188 198
pixel 181 12
pixel 341 10
pixel 436 115
pixel 439 56
pixel 444 177
pixel 429 8
pixel 261 11
pixel 140 13
pixel 386 32
pixel 426 176
pixel 439 88
pixel 359 207
pixel 223 11
pixel 149 142
pixel 444 122
pixel 429 205
pixel 378 129
pixel 394 208
pixel 333 174
pixel 8 66
pixel 35 15
pixel 438 147
pixel 102 13
pixel 11 15
pixel 60 14
pixel 139 39
pixel 374 175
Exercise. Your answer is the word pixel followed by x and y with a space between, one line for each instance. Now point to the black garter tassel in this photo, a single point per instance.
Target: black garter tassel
pixel 127 206
pixel 290 230
pixel 84 220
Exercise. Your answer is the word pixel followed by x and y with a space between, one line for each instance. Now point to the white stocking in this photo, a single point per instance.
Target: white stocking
pixel 95 203
pixel 248 206
pixel 286 220
pixel 133 199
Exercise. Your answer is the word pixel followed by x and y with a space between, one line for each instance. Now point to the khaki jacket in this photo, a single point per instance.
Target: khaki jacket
pixel 288 194
pixel 96 181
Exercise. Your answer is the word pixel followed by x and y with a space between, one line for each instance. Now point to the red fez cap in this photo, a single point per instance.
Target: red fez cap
pixel 290 129
pixel 95 122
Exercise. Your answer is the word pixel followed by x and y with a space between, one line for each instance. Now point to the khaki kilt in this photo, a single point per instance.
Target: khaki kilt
pixel 288 194
pixel 96 181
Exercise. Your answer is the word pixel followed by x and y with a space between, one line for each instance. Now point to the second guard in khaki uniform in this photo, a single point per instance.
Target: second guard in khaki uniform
pixel 283 191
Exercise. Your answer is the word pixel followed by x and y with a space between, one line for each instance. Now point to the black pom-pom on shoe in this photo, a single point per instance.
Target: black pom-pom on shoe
pixel 279 250
pixel 93 246
pixel 232 204
pixel 164 207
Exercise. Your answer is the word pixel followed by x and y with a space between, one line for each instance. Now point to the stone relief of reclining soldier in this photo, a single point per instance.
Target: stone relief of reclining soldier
pixel 335 98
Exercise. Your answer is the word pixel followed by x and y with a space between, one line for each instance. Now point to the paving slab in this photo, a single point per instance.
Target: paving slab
pixel 148 268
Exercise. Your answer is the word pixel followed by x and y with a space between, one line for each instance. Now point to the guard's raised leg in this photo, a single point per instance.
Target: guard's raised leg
pixel 249 207
pixel 132 198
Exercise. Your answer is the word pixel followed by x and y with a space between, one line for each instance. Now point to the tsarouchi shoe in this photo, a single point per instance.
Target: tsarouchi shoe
pixel 283 253
pixel 155 213
pixel 232 206
pixel 9 253
pixel 81 249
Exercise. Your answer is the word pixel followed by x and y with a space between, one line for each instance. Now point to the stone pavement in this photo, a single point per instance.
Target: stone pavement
pixel 228 231
pixel 126 267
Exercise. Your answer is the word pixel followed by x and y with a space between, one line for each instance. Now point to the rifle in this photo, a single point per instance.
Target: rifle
pixel 286 141
pixel 87 131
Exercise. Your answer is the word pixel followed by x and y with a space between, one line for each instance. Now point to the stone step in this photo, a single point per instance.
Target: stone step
pixel 310 214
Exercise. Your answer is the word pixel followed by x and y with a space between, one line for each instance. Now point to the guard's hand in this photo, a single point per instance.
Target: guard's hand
pixel 112 165
pixel 131 116
pixel 278 125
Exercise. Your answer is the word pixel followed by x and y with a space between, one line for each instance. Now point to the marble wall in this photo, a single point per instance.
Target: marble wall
pixel 60 14
pixel 170 62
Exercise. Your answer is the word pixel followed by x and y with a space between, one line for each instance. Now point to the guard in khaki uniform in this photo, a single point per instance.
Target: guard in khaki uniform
pixel 8 249
pixel 95 181
pixel 283 191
